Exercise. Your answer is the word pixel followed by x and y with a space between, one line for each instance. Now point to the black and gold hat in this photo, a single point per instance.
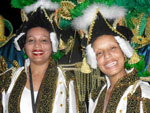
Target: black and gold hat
pixel 101 26
pixel 39 18
pixel 99 19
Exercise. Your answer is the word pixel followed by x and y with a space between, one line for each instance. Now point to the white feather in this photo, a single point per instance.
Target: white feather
pixel 84 21
pixel 47 4
pixel 16 41
pixel 91 57
pixel 55 43
pixel 26 65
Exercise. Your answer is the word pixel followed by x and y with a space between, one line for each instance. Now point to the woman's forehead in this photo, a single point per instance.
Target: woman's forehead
pixel 105 38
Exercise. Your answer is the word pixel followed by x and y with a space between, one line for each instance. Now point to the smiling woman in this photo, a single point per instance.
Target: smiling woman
pixel 108 47
pixel 38 45
pixel 109 56
pixel 40 86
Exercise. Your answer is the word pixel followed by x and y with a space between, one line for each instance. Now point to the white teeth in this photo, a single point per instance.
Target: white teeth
pixel 111 64
pixel 37 52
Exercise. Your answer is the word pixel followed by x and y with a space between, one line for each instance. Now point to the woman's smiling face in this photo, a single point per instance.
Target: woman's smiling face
pixel 109 56
pixel 38 45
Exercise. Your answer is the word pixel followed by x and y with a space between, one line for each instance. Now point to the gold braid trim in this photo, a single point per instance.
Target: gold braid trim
pixel 93 23
pixel 5 79
pixel 95 91
pixel 47 91
pixel 15 96
pixel 146 105
pixel 65 9
pixel 113 29
pixel 116 94
pixel 91 27
pixel 100 103
pixel 50 18
pixel 133 102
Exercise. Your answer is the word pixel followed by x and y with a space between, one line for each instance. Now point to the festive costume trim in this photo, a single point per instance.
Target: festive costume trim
pixel 46 92
pixel 116 94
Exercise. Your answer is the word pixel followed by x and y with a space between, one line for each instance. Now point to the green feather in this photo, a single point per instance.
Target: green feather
pixel 64 24
pixel 21 3
pixel 57 56
pixel 56 1
pixel 78 10
pixel 140 66
pixel 143 24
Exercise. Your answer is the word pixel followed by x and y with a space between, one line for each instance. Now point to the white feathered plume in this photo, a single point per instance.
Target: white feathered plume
pixel 54 40
pixel 84 21
pixel 47 4
pixel 91 57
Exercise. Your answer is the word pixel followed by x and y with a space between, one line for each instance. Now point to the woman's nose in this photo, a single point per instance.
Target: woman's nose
pixel 106 54
pixel 37 43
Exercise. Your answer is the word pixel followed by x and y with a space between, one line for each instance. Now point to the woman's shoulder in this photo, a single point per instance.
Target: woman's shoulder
pixel 7 76
pixel 68 75
pixel 145 88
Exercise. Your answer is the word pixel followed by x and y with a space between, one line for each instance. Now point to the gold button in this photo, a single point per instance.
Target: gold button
pixel 61 105
pixel 125 98
pixel 61 92
pixel 60 82
pixel 120 111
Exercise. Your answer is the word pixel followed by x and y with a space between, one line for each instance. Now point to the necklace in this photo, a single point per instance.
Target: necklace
pixel 34 104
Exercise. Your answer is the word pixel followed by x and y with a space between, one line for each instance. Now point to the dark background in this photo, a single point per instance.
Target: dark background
pixel 10 13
